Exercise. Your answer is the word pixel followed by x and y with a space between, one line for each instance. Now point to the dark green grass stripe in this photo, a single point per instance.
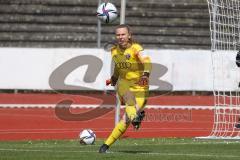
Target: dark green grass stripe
pixel 123 152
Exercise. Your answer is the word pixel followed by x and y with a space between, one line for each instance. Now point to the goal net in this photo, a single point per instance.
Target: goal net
pixel 225 34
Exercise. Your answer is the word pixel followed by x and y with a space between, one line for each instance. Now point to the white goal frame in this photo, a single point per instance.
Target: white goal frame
pixel 225 39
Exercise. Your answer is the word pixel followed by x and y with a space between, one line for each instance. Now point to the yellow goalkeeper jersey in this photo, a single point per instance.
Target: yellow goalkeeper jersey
pixel 127 64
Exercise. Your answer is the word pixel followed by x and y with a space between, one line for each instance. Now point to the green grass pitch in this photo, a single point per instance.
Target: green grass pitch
pixel 134 149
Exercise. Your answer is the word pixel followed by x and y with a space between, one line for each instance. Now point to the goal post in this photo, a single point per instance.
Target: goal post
pixel 225 34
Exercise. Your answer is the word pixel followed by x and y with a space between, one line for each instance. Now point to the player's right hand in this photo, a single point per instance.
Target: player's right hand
pixel 113 81
pixel 108 81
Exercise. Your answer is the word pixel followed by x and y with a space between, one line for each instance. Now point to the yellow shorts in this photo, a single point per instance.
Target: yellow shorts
pixel 133 96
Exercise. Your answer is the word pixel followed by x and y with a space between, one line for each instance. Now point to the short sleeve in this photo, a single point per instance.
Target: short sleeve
pixel 138 47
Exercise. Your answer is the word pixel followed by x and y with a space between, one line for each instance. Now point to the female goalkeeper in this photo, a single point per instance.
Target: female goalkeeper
pixel 131 78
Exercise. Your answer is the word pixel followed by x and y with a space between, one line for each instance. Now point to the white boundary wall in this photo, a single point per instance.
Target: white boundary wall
pixel 24 68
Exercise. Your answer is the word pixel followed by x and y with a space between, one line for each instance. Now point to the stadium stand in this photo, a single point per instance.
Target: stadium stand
pixel 166 24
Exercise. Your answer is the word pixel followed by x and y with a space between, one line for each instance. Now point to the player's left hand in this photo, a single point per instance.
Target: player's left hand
pixel 144 81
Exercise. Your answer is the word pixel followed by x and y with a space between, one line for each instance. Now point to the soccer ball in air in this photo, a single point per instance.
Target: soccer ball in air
pixel 107 12
pixel 87 136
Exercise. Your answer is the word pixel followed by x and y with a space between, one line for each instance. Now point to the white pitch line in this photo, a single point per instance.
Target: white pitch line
pixel 106 106
pixel 119 152
pixel 190 155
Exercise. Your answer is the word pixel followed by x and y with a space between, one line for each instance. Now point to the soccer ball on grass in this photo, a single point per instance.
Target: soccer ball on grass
pixel 87 136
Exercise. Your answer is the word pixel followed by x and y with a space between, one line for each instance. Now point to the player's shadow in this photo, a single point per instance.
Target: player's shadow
pixel 134 152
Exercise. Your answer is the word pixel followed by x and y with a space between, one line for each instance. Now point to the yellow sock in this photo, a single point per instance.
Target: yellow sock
pixel 120 128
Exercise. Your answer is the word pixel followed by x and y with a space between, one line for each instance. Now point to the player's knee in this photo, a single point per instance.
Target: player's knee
pixel 141 102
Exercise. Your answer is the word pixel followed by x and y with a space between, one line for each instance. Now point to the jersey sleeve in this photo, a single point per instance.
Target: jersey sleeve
pixel 137 47
pixel 144 58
